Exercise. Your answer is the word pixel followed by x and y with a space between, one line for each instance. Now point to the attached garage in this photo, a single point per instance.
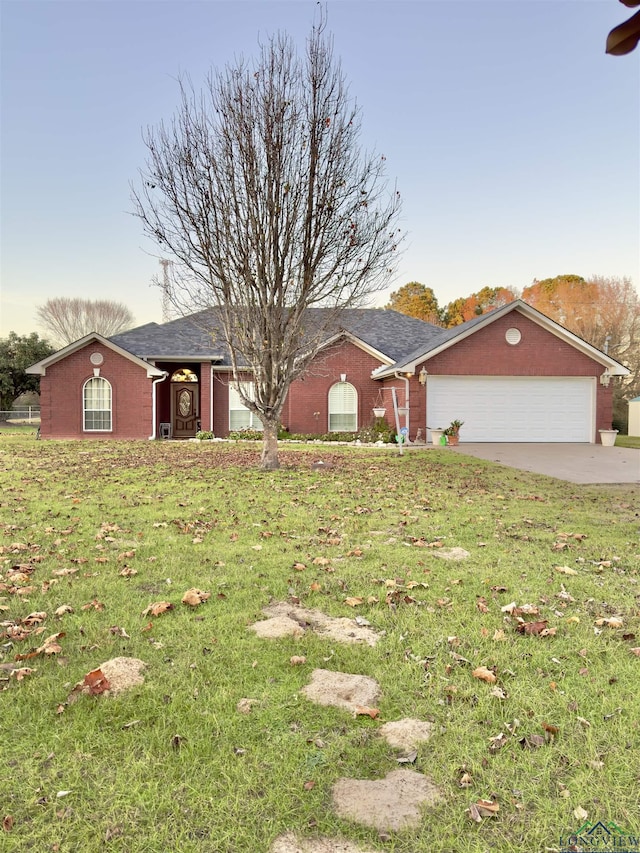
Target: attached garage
pixel 514 408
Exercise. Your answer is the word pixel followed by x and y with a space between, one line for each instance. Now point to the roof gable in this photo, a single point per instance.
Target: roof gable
pixel 450 337
pixel 40 368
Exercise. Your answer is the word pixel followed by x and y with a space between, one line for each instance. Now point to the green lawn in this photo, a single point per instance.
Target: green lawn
pixel 110 528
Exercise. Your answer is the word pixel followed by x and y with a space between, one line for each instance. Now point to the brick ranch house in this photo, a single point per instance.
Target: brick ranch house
pixel 511 375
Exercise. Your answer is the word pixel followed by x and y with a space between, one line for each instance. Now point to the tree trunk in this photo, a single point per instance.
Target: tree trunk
pixel 269 458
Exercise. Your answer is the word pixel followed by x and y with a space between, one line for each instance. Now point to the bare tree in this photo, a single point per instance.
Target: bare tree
pixel 66 320
pixel 260 190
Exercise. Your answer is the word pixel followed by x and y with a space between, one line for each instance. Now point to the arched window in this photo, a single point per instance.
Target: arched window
pixel 96 405
pixel 343 408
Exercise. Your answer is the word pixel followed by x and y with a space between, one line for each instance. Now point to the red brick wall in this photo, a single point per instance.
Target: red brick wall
pixel 310 394
pixel 539 353
pixel 205 396
pixel 61 396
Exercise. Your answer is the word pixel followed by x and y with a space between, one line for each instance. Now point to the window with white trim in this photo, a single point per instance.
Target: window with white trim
pixel 343 408
pixel 239 416
pixel 96 405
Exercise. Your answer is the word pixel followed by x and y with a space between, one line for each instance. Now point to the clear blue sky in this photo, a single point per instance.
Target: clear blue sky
pixel 514 139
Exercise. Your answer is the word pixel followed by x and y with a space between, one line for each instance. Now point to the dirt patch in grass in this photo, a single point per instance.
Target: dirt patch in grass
pixel 342 690
pixel 123 674
pixel 393 803
pixel 406 734
pixel 290 620
pixel 289 843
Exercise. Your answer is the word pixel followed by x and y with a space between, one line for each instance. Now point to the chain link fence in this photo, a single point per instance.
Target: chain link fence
pixel 23 415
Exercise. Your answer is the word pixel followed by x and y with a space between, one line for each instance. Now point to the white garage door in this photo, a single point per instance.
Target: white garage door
pixel 510 408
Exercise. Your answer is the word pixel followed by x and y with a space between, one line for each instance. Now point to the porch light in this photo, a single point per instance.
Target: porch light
pixel 605 378
pixel 422 376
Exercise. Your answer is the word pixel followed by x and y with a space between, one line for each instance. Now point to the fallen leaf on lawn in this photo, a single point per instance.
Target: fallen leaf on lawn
pixel 321 561
pixel 585 723
pixel 49 647
pixel 7 823
pixel 499 636
pixel 487 808
pixel 484 674
pixel 363 711
pixel 315 587
pixel 21 672
pixel 61 794
pixel 532 741
pixel 580 814
pixel 354 601
pixel 128 572
pixel 96 682
pixel 297 660
pixel 93 605
pixel 474 814
pixel 299 567
pixel 532 628
pixel 498 692
pixel 613 622
pixel 357 552
pixel 635 651
pixel 565 570
pixel 64 608
pixel 466 780
pixel 130 725
pixel 497 742
pixel 409 758
pixel 158 608
pixel 34 618
pixel 551 730
pixel 193 597
pixel 308 786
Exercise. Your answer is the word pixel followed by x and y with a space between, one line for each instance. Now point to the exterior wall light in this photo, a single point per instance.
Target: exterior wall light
pixel 605 378
pixel 422 376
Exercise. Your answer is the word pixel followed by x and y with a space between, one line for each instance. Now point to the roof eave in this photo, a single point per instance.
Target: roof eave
pixel 614 368
pixel 40 367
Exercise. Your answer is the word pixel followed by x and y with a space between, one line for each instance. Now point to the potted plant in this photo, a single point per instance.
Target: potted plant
pixel 453 432
pixel 608 437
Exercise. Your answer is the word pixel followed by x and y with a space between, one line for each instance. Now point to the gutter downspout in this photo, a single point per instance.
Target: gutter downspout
pixel 406 394
pixel 211 397
pixel 153 403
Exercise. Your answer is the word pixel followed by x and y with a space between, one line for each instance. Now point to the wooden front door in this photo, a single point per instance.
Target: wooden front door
pixel 184 407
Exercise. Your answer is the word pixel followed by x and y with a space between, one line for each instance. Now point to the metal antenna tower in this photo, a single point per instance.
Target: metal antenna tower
pixel 166 289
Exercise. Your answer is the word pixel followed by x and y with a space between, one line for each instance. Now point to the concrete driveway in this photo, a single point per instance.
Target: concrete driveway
pixel 576 463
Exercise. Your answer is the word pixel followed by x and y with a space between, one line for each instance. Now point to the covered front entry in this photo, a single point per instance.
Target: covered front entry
pixel 514 408
pixel 185 403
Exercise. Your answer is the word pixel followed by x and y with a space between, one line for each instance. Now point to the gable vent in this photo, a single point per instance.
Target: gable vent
pixel 513 336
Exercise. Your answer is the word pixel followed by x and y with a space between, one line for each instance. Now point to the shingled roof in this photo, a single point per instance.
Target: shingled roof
pixel 198 336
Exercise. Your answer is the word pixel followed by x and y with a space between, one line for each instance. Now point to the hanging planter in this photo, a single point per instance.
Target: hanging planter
pixel 403 411
pixel 379 411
